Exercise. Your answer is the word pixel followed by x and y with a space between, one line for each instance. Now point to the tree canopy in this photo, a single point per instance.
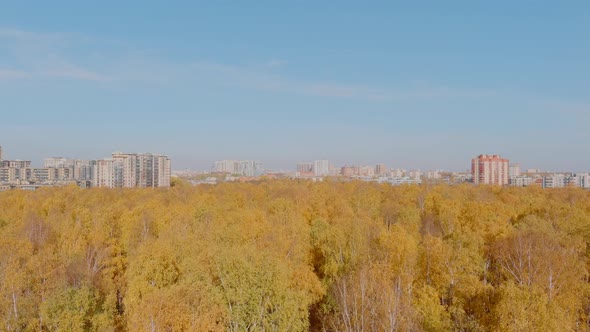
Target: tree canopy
pixel 285 255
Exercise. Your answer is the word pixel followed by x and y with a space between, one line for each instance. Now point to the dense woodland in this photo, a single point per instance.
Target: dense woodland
pixel 295 256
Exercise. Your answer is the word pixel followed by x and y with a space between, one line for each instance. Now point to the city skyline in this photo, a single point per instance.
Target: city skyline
pixel 285 83
pixel 315 168
pixel 148 170
pixel 121 170
pixel 255 167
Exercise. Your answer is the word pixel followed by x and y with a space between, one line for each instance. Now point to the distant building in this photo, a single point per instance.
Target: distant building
pixel 238 167
pixel 321 167
pixel 433 175
pixel 305 168
pixel 554 181
pixel 15 163
pixel 396 181
pixel 415 174
pixel 581 180
pixel 366 171
pixel 521 181
pixel 13 171
pixel 380 169
pixel 56 162
pixel 347 171
pixel 83 169
pixel 104 174
pixel 398 172
pixel 490 169
pixel 460 177
pixel 249 168
pixel 123 170
pixel 560 180
pixel 132 170
pixel 514 170
pixel 225 166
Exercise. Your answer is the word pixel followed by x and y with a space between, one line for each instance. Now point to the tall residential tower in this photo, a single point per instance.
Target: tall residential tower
pixel 490 169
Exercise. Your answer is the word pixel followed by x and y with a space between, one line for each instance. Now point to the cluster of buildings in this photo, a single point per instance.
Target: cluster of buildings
pixel 248 168
pixel 147 170
pixel 378 173
pixel 493 169
pixel 315 168
pixel 485 169
pixel 122 170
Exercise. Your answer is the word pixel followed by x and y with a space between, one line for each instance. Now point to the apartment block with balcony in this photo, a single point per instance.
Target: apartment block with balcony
pixel 490 169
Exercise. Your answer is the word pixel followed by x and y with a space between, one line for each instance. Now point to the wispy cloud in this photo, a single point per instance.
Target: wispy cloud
pixel 41 55
pixel 275 63
pixel 74 72
pixel 22 34
pixel 330 90
pixel 8 74
pixel 259 79
pixel 45 56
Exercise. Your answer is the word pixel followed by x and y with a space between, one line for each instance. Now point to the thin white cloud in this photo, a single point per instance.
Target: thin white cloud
pixel 275 63
pixel 330 90
pixel 44 55
pixel 16 33
pixel 41 55
pixel 9 74
pixel 75 73
pixel 262 80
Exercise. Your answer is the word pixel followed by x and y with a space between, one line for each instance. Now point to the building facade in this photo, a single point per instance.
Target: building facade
pixel 321 167
pixel 225 166
pixel 132 170
pixel 305 168
pixel 514 170
pixel 490 169
pixel 380 169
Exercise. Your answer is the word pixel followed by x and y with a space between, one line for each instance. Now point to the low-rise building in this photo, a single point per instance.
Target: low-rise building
pixel 521 181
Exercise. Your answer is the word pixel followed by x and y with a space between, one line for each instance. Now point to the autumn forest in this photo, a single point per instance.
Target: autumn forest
pixel 283 255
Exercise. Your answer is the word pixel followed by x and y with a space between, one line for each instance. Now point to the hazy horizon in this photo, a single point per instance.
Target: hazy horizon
pixel 405 85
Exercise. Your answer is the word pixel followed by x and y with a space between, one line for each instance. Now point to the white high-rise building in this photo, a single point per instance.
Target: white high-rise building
pixel 132 170
pixel 238 167
pixel 249 168
pixel 104 174
pixel 415 174
pixel 225 166
pixel 83 169
pixel 514 170
pixel 433 175
pixel 397 172
pixel 581 180
pixel 162 171
pixel 306 167
pixel 321 167
pixel 126 170
pixel 554 181
pixel 56 162
pixel 521 181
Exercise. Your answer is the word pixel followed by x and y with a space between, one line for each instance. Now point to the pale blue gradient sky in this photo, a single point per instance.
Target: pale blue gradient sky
pixel 427 85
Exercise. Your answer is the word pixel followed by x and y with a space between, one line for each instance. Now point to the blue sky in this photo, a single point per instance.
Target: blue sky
pixel 426 85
